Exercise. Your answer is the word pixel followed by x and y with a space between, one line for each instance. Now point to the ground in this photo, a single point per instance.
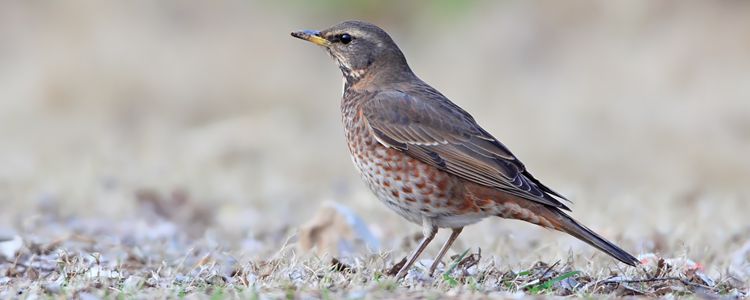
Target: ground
pixel 152 257
pixel 187 149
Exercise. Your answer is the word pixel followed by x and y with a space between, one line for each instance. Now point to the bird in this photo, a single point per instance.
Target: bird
pixel 424 156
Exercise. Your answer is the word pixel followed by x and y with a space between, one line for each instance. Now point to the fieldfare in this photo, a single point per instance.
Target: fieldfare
pixel 425 157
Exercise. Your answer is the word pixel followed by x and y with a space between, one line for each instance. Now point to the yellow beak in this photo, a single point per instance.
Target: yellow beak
pixel 312 36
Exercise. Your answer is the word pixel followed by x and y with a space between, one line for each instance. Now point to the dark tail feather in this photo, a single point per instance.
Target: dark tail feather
pixel 568 225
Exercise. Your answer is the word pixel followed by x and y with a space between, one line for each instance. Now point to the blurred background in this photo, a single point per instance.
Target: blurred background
pixel 639 111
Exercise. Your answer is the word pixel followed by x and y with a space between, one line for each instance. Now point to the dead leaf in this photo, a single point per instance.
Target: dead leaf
pixel 32 274
pixel 335 229
pixel 177 208
pixel 340 266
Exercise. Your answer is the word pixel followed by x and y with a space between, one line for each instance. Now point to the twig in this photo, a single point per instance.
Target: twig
pixel 682 280
pixel 470 261
pixel 549 269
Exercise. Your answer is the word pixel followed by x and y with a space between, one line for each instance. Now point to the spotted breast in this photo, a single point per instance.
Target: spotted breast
pixel 408 186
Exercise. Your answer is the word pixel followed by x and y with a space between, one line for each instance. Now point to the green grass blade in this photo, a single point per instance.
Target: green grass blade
pixel 536 289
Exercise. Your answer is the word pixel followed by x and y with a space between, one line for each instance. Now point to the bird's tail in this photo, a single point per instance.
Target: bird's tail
pixel 512 207
pixel 562 222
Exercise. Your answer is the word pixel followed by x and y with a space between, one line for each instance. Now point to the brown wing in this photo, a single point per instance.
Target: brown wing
pixel 439 133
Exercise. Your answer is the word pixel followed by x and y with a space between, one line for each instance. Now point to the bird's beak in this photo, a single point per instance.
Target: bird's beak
pixel 312 36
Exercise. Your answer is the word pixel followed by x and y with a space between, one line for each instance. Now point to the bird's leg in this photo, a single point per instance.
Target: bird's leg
pixel 428 230
pixel 444 249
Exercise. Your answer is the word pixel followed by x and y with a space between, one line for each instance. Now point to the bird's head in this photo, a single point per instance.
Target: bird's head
pixel 359 48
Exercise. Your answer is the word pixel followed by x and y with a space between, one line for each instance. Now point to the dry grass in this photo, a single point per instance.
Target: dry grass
pixel 124 259
pixel 174 149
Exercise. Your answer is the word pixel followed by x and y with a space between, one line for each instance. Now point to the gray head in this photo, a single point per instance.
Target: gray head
pixel 361 49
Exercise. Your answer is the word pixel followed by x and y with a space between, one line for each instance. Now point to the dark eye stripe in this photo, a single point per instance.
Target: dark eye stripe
pixel 343 38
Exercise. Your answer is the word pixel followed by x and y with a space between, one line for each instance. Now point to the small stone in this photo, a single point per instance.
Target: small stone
pixel 9 247
pixel 132 283
pixel 181 278
pixel 99 272
pixel 251 278
pixel 88 296
pixel 52 287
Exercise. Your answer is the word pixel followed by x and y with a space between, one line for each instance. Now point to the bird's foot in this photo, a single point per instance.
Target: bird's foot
pixel 402 273
pixel 433 267
pixel 395 269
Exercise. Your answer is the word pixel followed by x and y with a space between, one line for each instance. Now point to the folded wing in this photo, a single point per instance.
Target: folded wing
pixel 441 134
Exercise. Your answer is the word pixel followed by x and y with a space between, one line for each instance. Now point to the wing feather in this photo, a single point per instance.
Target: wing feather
pixel 441 134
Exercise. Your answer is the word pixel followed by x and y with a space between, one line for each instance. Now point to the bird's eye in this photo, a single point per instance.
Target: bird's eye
pixel 345 38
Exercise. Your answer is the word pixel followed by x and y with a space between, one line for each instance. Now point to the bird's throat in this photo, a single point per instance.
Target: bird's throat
pixel 351 77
